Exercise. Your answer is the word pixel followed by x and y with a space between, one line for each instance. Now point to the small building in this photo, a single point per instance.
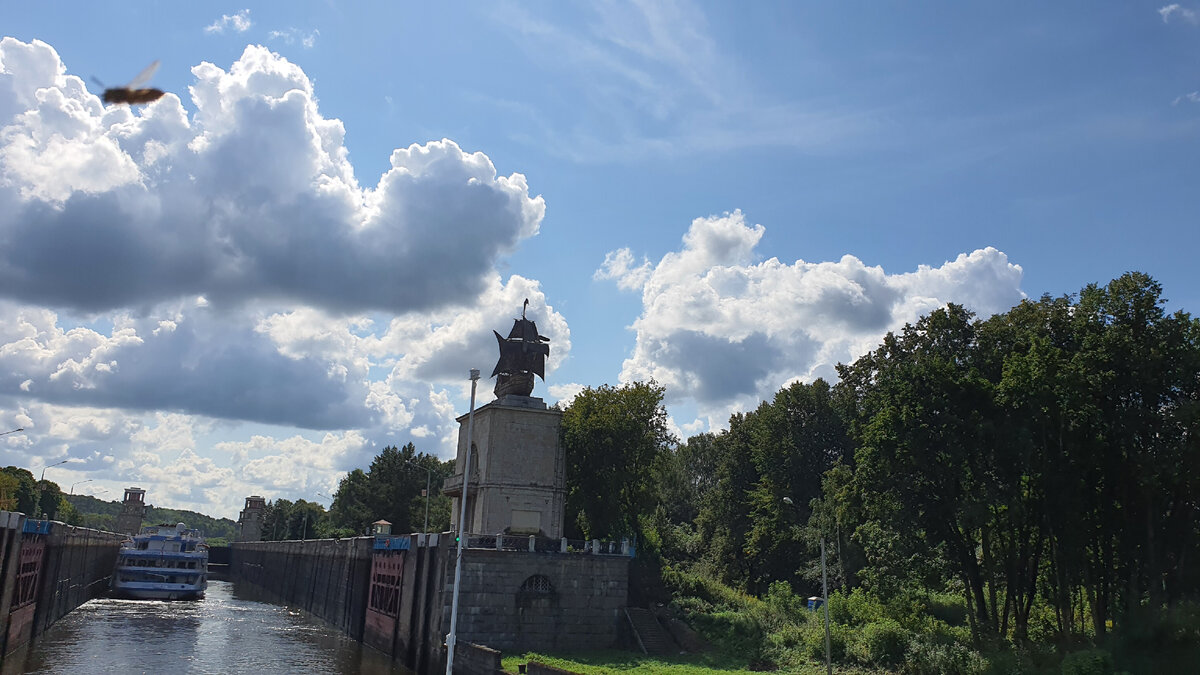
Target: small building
pixel 133 510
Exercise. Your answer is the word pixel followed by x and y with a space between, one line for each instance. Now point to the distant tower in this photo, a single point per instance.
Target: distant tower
pixel 250 520
pixel 133 509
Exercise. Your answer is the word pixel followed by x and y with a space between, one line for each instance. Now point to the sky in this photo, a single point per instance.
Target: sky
pixel 295 256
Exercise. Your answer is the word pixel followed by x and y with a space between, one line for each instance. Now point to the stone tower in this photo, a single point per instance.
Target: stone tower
pixel 133 509
pixel 250 520
pixel 516 483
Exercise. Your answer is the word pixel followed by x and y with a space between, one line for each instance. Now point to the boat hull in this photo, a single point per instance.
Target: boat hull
pixel 157 594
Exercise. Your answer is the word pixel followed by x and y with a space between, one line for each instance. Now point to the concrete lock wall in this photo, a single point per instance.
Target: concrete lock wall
pixel 48 569
pixel 328 578
pixel 509 599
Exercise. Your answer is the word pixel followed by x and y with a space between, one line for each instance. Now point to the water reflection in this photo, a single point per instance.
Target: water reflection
pixel 224 633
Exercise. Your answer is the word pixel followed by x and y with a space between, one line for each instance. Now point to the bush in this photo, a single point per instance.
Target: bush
pixel 883 643
pixel 927 656
pixel 855 609
pixel 1088 662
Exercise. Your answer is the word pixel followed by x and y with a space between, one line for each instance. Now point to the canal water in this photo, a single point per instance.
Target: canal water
pixel 227 632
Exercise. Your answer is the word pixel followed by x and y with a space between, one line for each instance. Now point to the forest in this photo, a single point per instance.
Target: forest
pixel 1012 494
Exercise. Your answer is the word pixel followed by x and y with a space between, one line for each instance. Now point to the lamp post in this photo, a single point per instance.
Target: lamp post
pixel 824 599
pixel 428 484
pixel 13 431
pixel 50 465
pixel 87 480
pixel 462 535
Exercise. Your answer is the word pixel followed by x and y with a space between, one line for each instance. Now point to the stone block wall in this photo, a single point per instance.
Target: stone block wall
pixel 519 601
pixel 473 659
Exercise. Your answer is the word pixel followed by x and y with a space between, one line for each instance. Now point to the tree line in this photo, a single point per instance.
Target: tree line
pixel 1042 463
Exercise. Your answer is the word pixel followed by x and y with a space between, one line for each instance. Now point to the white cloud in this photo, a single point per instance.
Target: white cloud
pixel 252 198
pixel 293 35
pixel 1193 97
pixel 239 22
pixel 619 266
pixel 230 277
pixel 727 330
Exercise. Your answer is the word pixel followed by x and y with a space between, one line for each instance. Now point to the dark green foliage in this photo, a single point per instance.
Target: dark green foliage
pixel 614 439
pixel 1025 485
pixel 1088 662
pixel 391 489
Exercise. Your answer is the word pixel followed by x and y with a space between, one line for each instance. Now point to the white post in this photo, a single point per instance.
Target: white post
pixel 452 638
pixel 532 544
pixel 563 546
pixel 825 604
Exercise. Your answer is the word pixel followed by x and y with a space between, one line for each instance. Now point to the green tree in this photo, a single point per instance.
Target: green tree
pixel 613 439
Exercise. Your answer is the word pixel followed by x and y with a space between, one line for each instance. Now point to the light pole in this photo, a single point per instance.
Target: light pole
pixel 824 599
pixel 5 433
pixel 88 480
pixel 50 465
pixel 428 486
pixel 462 535
pixel 42 488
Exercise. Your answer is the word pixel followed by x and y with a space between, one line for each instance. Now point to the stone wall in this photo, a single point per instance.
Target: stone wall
pixel 520 601
pixel 473 659
pixel 65 566
pixel 328 578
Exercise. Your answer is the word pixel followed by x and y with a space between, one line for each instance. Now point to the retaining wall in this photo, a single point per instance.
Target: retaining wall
pixel 327 578
pixel 47 569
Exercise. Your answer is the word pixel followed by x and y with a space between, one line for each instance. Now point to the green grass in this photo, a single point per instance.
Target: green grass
pixel 615 661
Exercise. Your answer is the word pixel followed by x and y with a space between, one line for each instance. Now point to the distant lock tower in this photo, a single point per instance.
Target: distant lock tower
pixel 133 509
pixel 250 520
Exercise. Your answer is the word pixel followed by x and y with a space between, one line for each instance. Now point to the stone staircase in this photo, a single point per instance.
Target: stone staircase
pixel 648 633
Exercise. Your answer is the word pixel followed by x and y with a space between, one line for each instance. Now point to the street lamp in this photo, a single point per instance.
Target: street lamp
pixel 824 598
pixel 88 480
pixel 462 535
pixel 428 487
pixel 50 465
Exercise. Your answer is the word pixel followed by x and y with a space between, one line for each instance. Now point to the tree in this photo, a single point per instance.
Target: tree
pixel 391 489
pixel 612 439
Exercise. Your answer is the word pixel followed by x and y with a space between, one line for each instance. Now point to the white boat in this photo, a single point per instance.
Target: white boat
pixel 162 562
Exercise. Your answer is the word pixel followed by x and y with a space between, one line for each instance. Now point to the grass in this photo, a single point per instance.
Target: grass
pixel 616 661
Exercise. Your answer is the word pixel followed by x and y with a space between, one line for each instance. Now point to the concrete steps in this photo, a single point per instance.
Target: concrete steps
pixel 648 633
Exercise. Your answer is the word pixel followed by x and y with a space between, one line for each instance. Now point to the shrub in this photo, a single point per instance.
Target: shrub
pixel 855 609
pixel 1088 662
pixel 883 643
pixel 927 656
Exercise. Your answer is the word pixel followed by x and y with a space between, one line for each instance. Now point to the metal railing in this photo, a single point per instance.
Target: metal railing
pixel 534 544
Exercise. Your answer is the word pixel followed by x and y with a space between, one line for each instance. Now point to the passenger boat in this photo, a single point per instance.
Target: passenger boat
pixel 162 562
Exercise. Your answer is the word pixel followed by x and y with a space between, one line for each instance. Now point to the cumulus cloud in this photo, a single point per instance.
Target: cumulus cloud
pixel 725 329
pixel 189 277
pixel 239 22
pixel 253 197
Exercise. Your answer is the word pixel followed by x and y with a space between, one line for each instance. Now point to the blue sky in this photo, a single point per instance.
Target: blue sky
pixel 242 289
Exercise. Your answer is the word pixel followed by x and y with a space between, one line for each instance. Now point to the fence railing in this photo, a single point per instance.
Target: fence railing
pixel 534 544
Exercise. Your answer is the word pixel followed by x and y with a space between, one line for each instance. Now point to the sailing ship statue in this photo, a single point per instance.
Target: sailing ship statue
pixel 522 355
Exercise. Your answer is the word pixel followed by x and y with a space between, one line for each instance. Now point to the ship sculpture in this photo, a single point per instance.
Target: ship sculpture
pixel 522 355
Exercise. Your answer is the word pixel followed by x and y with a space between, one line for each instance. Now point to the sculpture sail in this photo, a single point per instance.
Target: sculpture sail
pixel 522 355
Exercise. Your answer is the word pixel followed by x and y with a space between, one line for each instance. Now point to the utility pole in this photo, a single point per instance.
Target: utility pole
pixel 452 638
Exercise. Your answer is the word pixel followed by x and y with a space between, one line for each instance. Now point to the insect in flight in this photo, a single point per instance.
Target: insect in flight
pixel 130 93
